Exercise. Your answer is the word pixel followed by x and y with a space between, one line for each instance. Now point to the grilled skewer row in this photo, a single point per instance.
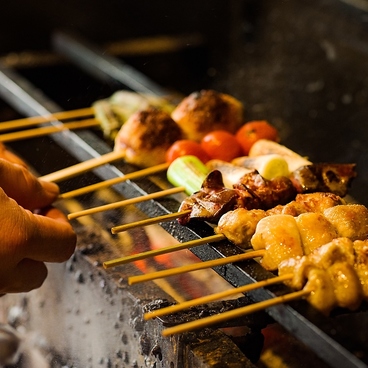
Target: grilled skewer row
pixel 295 229
pixel 336 274
pixel 332 276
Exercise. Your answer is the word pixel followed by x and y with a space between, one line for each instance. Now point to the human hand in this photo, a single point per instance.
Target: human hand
pixel 29 239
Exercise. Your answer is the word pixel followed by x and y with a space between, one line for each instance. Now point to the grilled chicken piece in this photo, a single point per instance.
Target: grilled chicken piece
pixel 299 267
pixel 346 283
pixel 338 250
pixel 319 201
pixel 322 296
pixel 207 110
pixel 324 177
pixel 315 230
pixel 114 111
pixel 329 272
pixel 308 202
pixel 239 225
pixel 309 277
pixel 279 236
pixel 338 258
pixel 146 136
pixel 361 264
pixel 350 220
pixel 254 192
pixel 262 193
pixel 211 202
pixel 211 206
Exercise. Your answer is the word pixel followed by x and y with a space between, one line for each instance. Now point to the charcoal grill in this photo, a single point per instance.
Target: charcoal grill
pixel 124 339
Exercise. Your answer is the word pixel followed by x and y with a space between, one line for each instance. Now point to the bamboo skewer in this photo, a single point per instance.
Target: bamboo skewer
pixel 39 132
pixel 221 295
pixel 126 202
pixel 113 181
pixel 239 312
pixel 165 250
pixel 82 167
pixel 149 221
pixel 197 266
pixel 34 120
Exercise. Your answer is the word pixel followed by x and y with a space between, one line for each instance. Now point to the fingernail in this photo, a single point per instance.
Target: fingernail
pixel 50 187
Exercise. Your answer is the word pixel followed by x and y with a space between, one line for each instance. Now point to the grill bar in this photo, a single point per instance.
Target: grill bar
pixel 103 66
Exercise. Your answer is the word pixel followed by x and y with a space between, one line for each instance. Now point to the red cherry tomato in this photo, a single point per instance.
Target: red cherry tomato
pixel 252 131
pixel 221 145
pixel 186 147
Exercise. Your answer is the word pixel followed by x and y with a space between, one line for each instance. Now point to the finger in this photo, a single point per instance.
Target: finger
pixel 52 212
pixel 47 240
pixel 26 276
pixel 27 235
pixel 21 185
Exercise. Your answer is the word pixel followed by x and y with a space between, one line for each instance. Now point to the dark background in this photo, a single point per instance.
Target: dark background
pixel 302 65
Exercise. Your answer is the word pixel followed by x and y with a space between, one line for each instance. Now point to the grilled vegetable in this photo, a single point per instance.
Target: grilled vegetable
pixel 188 172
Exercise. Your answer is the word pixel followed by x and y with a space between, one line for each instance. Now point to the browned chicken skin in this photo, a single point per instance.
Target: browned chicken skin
pixel 207 110
pixel 314 229
pixel 283 236
pixel 146 136
pixel 331 274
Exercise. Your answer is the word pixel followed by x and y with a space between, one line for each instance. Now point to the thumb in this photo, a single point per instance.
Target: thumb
pixel 21 185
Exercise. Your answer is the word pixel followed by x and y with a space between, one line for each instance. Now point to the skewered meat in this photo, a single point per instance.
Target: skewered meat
pixel 114 111
pixel 361 264
pixel 309 202
pixel 207 110
pixel 211 202
pixel 253 192
pixel 146 136
pixel 350 221
pixel 322 295
pixel 330 274
pixel 284 235
pixel 334 178
pixel 239 225
pixel 313 204
pixel 279 236
pixel 262 193
pixel 256 192
pixel 315 230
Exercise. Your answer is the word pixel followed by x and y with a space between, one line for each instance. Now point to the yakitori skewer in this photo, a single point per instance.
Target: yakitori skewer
pixel 34 120
pixel 197 266
pixel 82 167
pixel 239 312
pixel 249 219
pixel 110 182
pixel 39 132
pixel 126 202
pixel 332 276
pixel 216 296
pixel 279 238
